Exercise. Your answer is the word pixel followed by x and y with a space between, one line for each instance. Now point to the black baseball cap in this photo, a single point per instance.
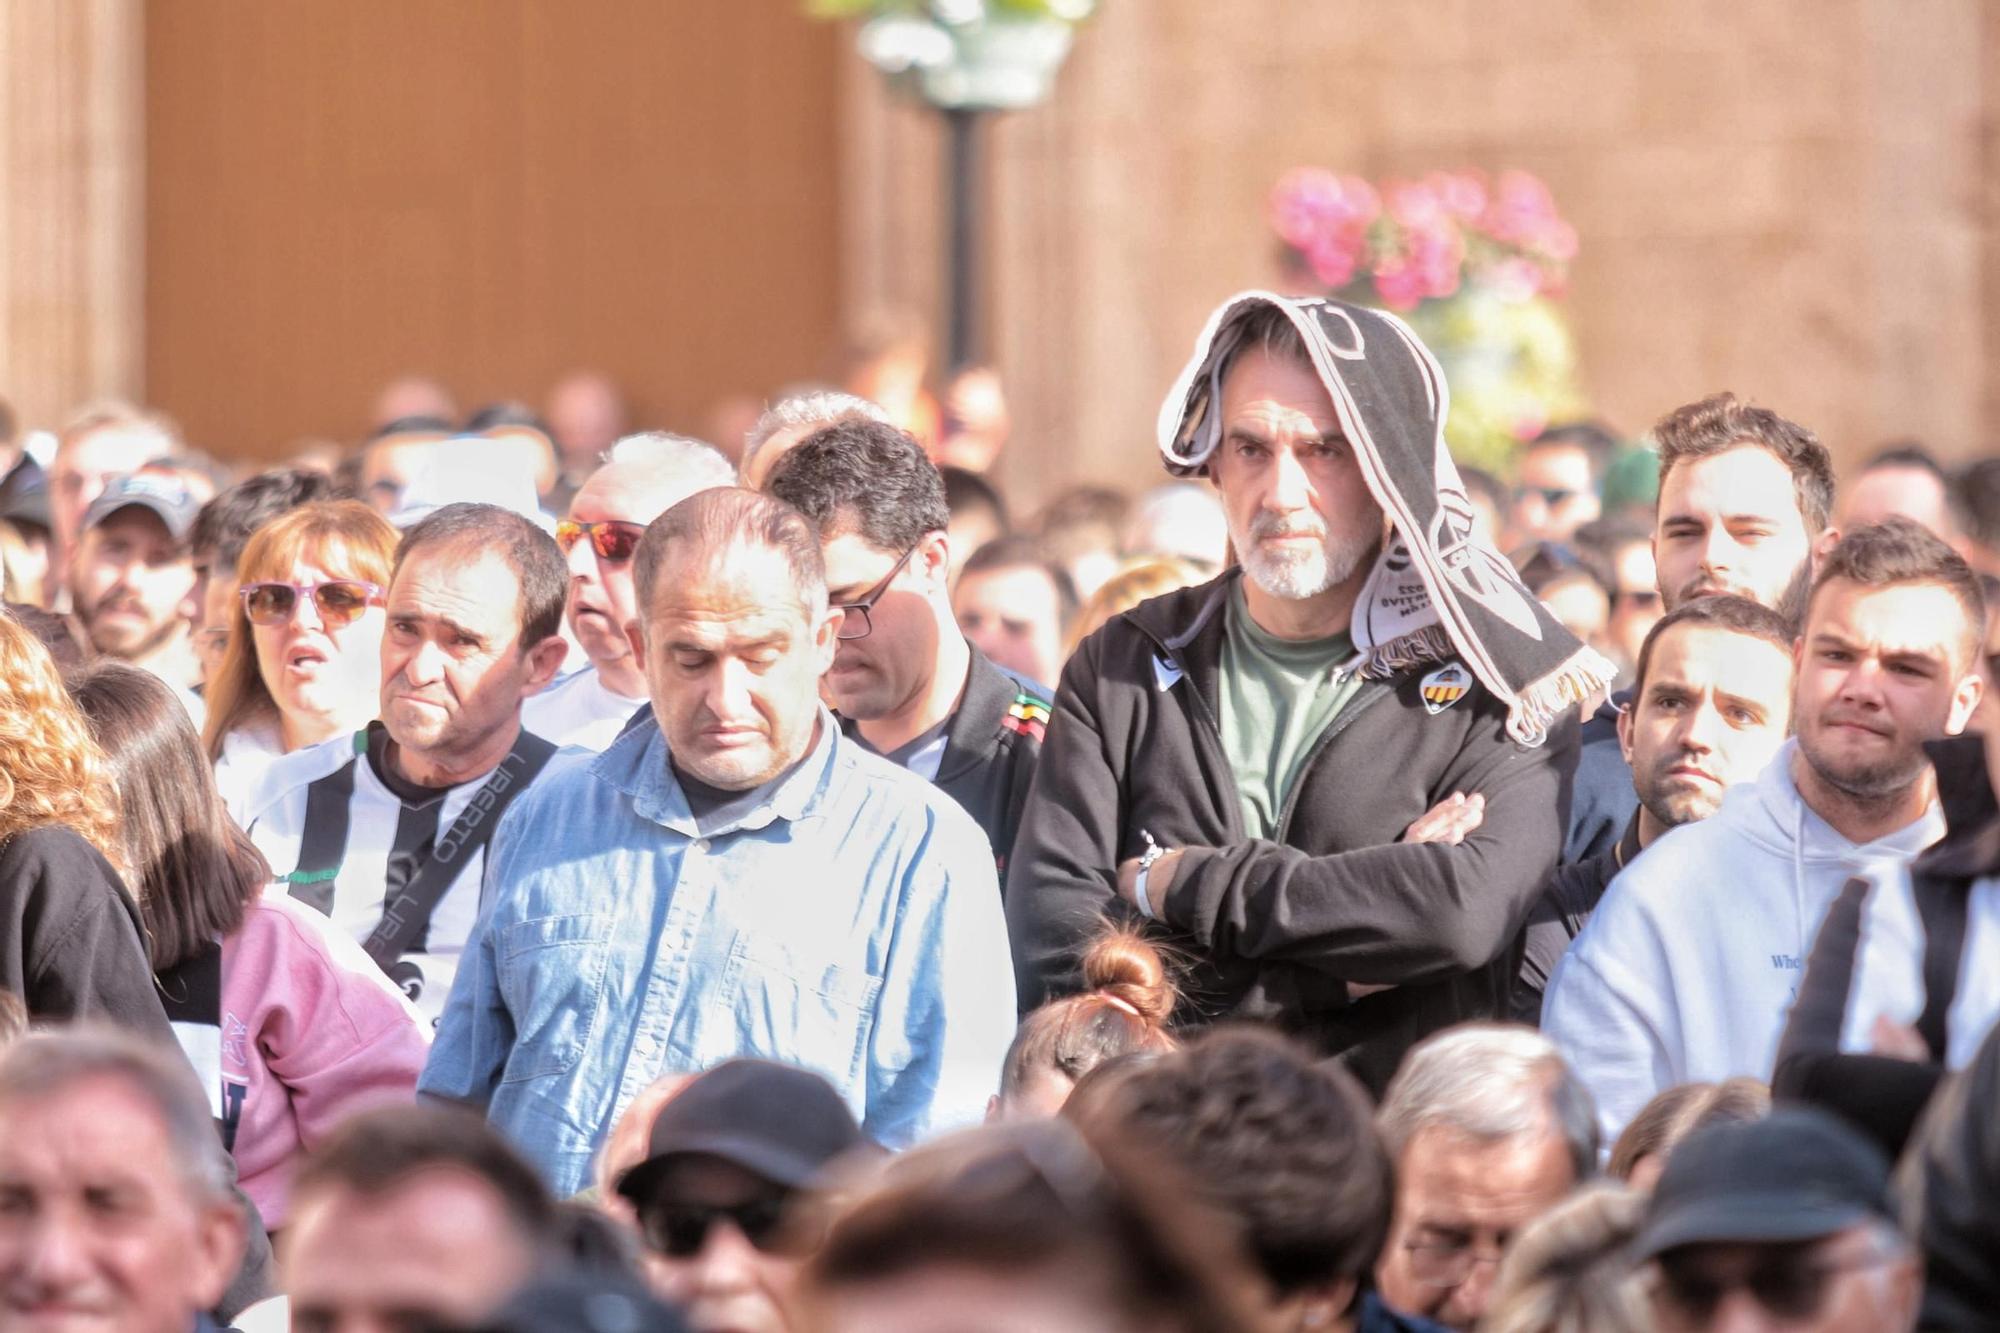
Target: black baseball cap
pixel 775 1121
pixel 576 1301
pixel 164 497
pixel 1799 1174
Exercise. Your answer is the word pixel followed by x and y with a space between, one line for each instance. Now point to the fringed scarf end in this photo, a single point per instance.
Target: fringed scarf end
pixel 1584 675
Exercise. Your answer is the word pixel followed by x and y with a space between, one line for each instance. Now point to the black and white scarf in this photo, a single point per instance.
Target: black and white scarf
pixel 1434 592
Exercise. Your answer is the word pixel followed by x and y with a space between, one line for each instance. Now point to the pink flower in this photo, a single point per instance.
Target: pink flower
pixel 1400 285
pixel 1463 193
pixel 1416 204
pixel 1333 259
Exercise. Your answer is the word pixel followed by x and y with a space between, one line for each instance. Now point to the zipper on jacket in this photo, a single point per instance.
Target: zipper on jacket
pixel 1369 692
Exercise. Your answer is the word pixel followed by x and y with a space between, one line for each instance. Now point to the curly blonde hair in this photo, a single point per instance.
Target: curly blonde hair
pixel 51 771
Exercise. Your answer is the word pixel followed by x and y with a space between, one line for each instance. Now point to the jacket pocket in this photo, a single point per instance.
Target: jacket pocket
pixel 551 971
pixel 799 1008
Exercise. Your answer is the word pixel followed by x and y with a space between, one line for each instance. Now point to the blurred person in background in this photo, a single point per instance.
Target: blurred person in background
pixel 975 422
pixel 1642 1150
pixel 1082 529
pixel 1783 1223
pixel 1136 581
pixel 888 363
pixel 1555 483
pixel 1631 485
pixel 729 1193
pixel 790 420
pixel 1900 479
pixel 1746 498
pixel 1182 520
pixel 97 446
pixel 412 1217
pixel 71 946
pixel 905 681
pixel 385 829
pixel 728 421
pixel 1488 501
pixel 607 517
pixel 1691 960
pixel 627 1145
pixel 412 396
pixel 289 1023
pixel 1489 1130
pixel 1950 1187
pixel 1014 604
pixel 587 413
pixel 525 438
pixel 1576 592
pixel 978 514
pixel 1623 548
pixel 119 1214
pixel 393 456
pixel 22 572
pixel 1976 504
pixel 1027 1226
pixel 221 530
pixel 1711 705
pixel 468 469
pixel 1282 1146
pixel 130 576
pixel 1568 1271
pixel 302 660
pixel 1124 1008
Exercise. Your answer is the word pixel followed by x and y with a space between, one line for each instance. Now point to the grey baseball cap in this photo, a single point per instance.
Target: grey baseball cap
pixel 164 497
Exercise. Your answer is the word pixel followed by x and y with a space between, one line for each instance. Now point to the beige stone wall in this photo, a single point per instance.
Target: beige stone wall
pixel 1788 198
pixel 71 191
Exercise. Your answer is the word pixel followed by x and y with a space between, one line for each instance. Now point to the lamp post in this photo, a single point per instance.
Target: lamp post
pixel 968 59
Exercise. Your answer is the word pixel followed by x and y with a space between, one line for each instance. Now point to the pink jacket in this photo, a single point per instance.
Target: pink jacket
pixel 311 1032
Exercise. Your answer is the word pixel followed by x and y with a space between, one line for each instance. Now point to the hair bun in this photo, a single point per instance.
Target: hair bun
pixel 1124 966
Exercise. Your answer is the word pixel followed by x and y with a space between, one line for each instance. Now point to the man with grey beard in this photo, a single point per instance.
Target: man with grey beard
pixel 1301 775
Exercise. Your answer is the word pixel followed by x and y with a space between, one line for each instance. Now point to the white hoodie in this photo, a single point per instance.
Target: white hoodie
pixel 1688 967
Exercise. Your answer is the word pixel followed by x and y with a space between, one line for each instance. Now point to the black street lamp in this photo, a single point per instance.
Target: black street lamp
pixel 967 58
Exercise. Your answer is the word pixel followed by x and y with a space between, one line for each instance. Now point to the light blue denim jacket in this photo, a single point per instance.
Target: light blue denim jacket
pixel 850 924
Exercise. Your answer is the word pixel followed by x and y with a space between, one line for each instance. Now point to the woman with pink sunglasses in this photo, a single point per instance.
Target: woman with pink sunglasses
pixel 304 658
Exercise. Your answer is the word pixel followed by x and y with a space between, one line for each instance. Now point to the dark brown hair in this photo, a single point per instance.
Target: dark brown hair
pixel 713 521
pixel 193 870
pixel 1281 1142
pixel 1124 1007
pixel 532 555
pixel 1900 550
pixel 1722 421
pixel 374 1151
pixel 1724 611
pixel 1041 1200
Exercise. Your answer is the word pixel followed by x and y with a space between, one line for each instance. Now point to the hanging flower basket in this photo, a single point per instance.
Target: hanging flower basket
pixel 1478 268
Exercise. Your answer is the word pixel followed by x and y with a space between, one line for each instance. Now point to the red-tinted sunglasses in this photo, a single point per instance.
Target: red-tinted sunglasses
pixel 611 539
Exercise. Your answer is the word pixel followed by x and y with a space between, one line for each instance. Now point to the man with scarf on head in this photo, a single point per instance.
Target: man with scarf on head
pixel 1337 775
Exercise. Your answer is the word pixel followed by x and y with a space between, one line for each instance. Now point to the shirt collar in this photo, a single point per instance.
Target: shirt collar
pixel 636 764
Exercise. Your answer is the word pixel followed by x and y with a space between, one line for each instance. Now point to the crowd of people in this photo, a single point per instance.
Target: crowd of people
pixel 530 873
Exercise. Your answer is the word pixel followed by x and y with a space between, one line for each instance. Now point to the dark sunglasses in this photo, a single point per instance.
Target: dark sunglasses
pixel 338 601
pixel 855 623
pixel 680 1230
pixel 611 540
pixel 1791 1287
pixel 1643 599
pixel 1552 496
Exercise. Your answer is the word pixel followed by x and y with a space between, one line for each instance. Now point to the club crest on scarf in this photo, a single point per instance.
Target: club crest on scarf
pixel 1435 593
pixel 1445 687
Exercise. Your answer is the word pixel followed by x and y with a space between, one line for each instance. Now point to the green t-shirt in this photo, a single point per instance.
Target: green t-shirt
pixel 1277 696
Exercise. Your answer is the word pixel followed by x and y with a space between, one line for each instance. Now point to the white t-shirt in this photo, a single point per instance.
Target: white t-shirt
pixel 391 827
pixel 579 710
pixel 247 754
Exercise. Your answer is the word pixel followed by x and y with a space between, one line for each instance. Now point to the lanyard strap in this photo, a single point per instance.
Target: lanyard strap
pixel 406 915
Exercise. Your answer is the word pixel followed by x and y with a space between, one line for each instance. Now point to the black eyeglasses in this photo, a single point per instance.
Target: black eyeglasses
pixel 1791 1286
pixel 680 1230
pixel 611 540
pixel 1441 1262
pixel 338 601
pixel 855 622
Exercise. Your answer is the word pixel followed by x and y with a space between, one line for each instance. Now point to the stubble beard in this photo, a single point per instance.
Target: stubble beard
pixel 1297 577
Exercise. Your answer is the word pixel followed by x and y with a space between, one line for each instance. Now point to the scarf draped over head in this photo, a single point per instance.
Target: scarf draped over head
pixel 1434 592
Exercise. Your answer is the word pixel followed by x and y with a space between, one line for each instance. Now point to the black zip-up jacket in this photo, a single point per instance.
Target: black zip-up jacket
pixel 990 749
pixel 71 946
pixel 1280 928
